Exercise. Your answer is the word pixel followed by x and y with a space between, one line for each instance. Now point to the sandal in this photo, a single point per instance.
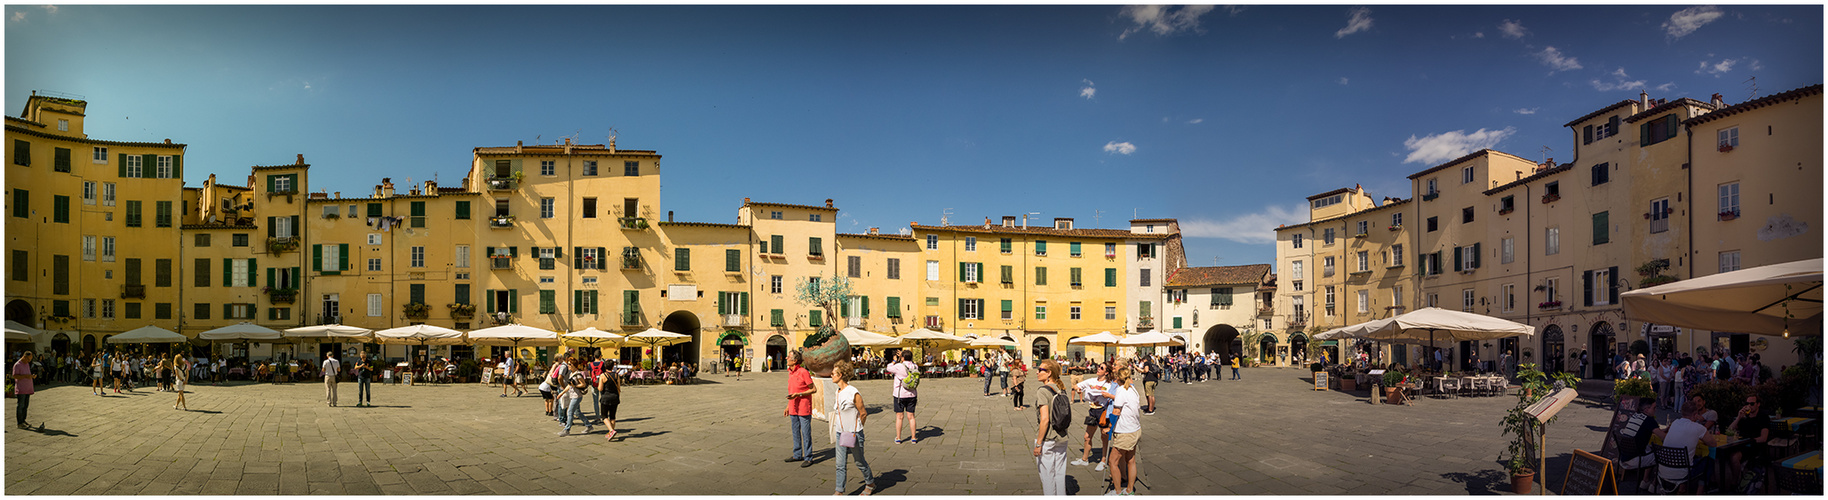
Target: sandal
pixel 901 440
pixel 867 490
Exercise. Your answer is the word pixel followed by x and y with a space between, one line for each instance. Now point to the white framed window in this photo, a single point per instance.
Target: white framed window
pixel 99 155
pixel 463 255
pixel 1659 215
pixel 238 272
pixel 546 207
pixel 1364 260
pixel 548 168
pixel 374 238
pixel 1295 240
pixel 136 166
pixel 1364 301
pixel 590 280
pixel 374 264
pixel 107 194
pixel 776 215
pixel 1396 255
pixel 89 248
pixel 971 271
pixel 1396 219
pixel 815 217
pixel 107 308
pixel 1364 227
pixel 1466 300
pixel 1506 248
pixel 1326 266
pixel 1466 175
pixel 1468 256
pixel 546 280
pixel 774 284
pixel 1041 310
pixel 1295 270
pixel 1729 261
pixel 1297 285
pixel 88 192
pixel 1510 297
pixel 282 227
pixel 1396 296
pixel 281 183
pixel 590 167
pixel 330 260
pixel 1602 287
pixel 1326 236
pixel 971 243
pixel 1729 199
pixel 164 171
pixel 374 304
pixel 107 249
pixel 88 308
pixel 932 270
pixel 1330 300
pixel 418 256
pixel 1728 137
pixel 330 210
pixel 1431 300
pixel 1433 187
pixel 587 303
pixel 1110 250
pixel 1550 289
pixel 1074 312
pixel 1299 304
pixel 971 309
pixel 1551 241
pixel 932 241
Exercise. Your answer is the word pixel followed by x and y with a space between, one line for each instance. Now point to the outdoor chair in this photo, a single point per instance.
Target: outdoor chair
pixel 1473 386
pixel 1798 482
pixel 1676 459
pixel 1447 387
pixel 1781 439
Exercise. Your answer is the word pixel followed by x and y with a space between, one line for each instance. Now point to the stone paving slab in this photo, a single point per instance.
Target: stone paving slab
pixel 1266 434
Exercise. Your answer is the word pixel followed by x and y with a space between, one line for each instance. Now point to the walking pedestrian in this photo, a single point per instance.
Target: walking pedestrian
pixel 571 396
pixel 1127 430
pixel 1016 390
pixel 799 408
pixel 22 387
pixel 1050 443
pixel 1093 392
pixel 609 386
pixel 548 385
pixel 596 396
pixel 1149 381
pixel 118 366
pixel 1236 359
pixel 96 382
pixel 848 417
pixel 331 366
pixel 507 376
pixel 984 372
pixel 1003 372
pixel 364 373
pixel 904 397
pixel 180 374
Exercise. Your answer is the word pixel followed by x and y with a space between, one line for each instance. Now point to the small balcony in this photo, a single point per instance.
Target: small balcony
pixel 500 262
pixel 1266 311
pixel 631 263
pixel 501 221
pixel 1299 319
pixel 133 291
pixel 632 223
pixel 733 320
pixel 416 310
pixel 281 295
pixel 1431 196
pixel 1145 322
pixel 281 245
pixel 329 319
pixel 462 311
pixel 503 183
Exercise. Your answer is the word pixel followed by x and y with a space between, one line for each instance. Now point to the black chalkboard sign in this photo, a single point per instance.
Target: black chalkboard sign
pixel 1609 448
pixel 1588 474
pixel 1320 381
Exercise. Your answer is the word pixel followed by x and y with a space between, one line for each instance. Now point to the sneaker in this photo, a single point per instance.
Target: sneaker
pixel 1100 467
pixel 564 432
pixel 1111 493
pixel 1148 413
pixel 589 428
pixel 1081 462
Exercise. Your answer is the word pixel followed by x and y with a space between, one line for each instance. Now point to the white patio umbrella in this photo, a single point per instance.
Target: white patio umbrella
pixel 654 337
pixel 988 342
pixel 1149 339
pixel 590 337
pixel 1103 339
pixel 419 335
pixel 514 335
pixel 860 338
pixel 333 332
pixel 148 335
pixel 1779 299
pixel 16 332
pixel 1433 323
pixel 932 340
pixel 242 331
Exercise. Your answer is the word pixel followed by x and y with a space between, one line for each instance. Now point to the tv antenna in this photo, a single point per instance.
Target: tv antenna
pixel 1754 86
pixel 943 216
pixel 1545 153
pixel 1025 218
pixel 1096 214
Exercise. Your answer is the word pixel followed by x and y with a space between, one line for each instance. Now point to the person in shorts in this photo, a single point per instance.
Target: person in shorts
pixel 1093 392
pixel 1151 377
pixel 904 397
pixel 1126 432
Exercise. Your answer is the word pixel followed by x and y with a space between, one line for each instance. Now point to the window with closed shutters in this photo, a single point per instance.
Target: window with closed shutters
pixel 853 266
pixel 894 269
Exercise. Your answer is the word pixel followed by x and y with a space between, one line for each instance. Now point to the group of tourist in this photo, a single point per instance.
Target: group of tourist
pixel 1697 425
pixel 563 386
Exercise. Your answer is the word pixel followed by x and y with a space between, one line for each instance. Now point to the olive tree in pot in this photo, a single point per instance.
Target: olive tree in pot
pixel 1519 424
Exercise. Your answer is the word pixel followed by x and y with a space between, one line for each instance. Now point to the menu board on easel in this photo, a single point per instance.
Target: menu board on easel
pixel 1588 474
pixel 1610 447
pixel 1320 381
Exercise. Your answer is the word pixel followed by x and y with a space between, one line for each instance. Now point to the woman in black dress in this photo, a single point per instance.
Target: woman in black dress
pixel 609 391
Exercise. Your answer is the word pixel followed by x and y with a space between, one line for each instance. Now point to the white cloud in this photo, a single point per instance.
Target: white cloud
pixel 1257 228
pixel 1525 111
pixel 1164 20
pixel 1621 82
pixel 1195 121
pixel 1717 68
pixel 50 9
pixel 1686 21
pixel 18 15
pixel 1234 10
pixel 1122 148
pixel 1512 29
pixel 1344 81
pixel 1557 62
pixel 1088 91
pixel 1445 146
pixel 1360 21
pixel 1478 34
pixel 1665 87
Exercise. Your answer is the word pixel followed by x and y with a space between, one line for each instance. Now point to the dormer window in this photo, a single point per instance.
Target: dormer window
pixel 1328 201
pixel 1150 228
pixel 1063 223
pixel 63 125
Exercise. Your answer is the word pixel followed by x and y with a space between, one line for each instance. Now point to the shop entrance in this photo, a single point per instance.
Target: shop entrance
pixel 777 353
pixel 1298 348
pixel 1601 351
pixel 1042 349
pixel 1266 349
pixel 1554 355
pixel 730 348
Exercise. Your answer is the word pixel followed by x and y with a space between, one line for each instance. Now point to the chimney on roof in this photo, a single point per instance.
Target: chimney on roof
pixel 669 216
pixel 387 187
pixel 431 187
pixel 1546 164
pixel 1008 221
pixel 301 159
pixel 336 194
pixel 745 200
pixel 1644 97
pixel 168 141
pixel 986 223
pixel 828 203
pixel 1719 101
pixel 875 231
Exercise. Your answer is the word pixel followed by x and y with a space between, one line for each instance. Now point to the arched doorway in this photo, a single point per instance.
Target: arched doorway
pixel 1298 348
pixel 1553 354
pixel 21 312
pixel 1266 349
pixel 1222 339
pixel 1602 350
pixel 777 353
pixel 1041 349
pixel 730 345
pixel 683 322
pixel 60 344
pixel 89 344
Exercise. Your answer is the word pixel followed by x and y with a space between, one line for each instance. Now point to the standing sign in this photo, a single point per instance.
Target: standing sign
pixel 1610 448
pixel 1588 474
pixel 1320 381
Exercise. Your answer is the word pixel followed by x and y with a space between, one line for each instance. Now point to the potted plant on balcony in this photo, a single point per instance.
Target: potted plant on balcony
pixel 281 245
pixel 417 310
pixel 1397 227
pixel 501 220
pixel 60 318
pixel 280 295
pixel 1726 215
pixel 464 311
pixel 1549 304
pixel 1726 147
pixel 1550 198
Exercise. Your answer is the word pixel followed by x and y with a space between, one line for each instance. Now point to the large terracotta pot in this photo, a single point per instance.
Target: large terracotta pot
pixel 1521 483
pixel 1390 396
pixel 819 359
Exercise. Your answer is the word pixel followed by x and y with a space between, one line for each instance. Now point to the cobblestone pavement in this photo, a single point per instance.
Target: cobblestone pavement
pixel 1266 434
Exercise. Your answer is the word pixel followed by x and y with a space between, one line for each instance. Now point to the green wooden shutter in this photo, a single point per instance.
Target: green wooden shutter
pixel 60 209
pixel 961 271
pixel 22 203
pixel 577 302
pixel 631 306
pixel 270 183
pixel 293 279
pixel 776 318
pixel 1074 275
pixel 743 304
pixel 513 301
pixel 1601 228
pixel 682 259
pixel 374 209
pixel 1674 125
pixel 270 281
pixel 1612 288
pixel 461 293
pixel 272 226
pixel 228 273
pixel 1586 288
pixel 1110 276
pixel 1008 274
pixel 844 308
pixel 866 306
pixel 602 258
pixel 815 246
pixel 488 301
pixel 815 318
pixel 595 306
pixel 1476 257
pixel 251 274
pixel 1459 260
pixel 60 159
pixel 418 209
pixel 342 256
pixel 776 244
pixel 894 304
pixel 577 257
pixel 546 302
pixel 1041 247
pixel 723 304
pixel 416 293
pixel 149 166
pixel 317 258
pixel 177 167
pixel 1177 322
pixel 516 165
pixel 1073 248
pixel 1005 243
pixel 463 210
pixel 733 261
pixel 1008 306
pixel 121 166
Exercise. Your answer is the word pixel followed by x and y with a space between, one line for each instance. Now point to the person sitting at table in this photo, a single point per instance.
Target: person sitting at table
pixel 1634 440
pixel 1686 433
pixel 1751 423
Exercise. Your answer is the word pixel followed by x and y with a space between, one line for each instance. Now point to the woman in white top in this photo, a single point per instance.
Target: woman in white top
pixel 571 395
pixel 848 416
pixel 1126 412
pixel 180 373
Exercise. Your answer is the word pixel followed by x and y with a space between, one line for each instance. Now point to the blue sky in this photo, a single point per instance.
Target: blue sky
pixel 1223 117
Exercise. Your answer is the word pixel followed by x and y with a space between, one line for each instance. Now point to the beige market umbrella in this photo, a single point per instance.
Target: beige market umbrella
pixel 1435 324
pixel 147 335
pixel 242 331
pixel 654 337
pixel 1779 299
pixel 419 335
pixel 860 338
pixel 1102 339
pixel 514 335
pixel 991 343
pixel 16 332
pixel 334 333
pixel 1149 339
pixel 932 340
pixel 590 337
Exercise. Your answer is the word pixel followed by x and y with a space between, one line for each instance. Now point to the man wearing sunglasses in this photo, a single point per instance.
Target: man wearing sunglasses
pixel 1752 422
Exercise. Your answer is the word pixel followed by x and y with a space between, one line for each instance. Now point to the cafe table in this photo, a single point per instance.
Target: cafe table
pixel 1797 423
pixel 1806 461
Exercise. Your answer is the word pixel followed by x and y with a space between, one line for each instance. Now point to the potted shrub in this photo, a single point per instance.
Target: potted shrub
pixel 1518 423
pixel 1392 379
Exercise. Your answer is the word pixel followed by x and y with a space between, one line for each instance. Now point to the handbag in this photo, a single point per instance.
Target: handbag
pixel 848 439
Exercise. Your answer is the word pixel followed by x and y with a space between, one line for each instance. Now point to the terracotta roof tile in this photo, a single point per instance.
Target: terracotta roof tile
pixel 1531 178
pixel 1754 104
pixel 1042 231
pixel 1463 159
pixel 1601 111
pixel 896 237
pixel 701 224
pixel 789 205
pixel 1666 107
pixel 1223 275
pixel 27 131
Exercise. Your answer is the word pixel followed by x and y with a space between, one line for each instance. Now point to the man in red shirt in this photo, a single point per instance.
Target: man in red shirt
pixel 799 408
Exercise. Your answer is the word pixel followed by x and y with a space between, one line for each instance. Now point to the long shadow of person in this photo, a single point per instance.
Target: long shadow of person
pixel 929 432
pixel 50 432
pixel 891 478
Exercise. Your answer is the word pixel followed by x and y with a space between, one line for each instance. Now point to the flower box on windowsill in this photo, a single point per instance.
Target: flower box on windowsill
pixel 1550 198
pixel 462 311
pixel 815 256
pixel 501 221
pixel 1398 227
pixel 1725 148
pixel 1726 216
pixel 633 223
pixel 1506 211
pixel 60 319
pixel 281 245
pixel 1360 235
pixel 1430 196
pixel 282 296
pixel 1553 304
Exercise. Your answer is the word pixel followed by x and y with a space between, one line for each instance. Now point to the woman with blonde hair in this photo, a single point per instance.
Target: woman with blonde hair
pixel 1126 411
pixel 848 416
pixel 179 375
pixel 1050 443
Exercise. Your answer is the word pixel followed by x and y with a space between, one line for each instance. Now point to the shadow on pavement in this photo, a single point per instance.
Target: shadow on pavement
pixel 929 432
pixel 1485 482
pixel 50 432
pixel 212 412
pixel 889 479
pixel 1072 485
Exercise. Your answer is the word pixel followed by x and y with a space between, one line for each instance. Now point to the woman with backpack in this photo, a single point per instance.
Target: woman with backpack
pixel 1016 391
pixel 1052 418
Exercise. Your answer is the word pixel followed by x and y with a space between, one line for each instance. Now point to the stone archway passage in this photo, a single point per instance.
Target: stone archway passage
pixel 776 354
pixel 681 322
pixel 1222 339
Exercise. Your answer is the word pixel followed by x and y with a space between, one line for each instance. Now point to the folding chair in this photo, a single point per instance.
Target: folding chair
pixel 1677 459
pixel 1448 387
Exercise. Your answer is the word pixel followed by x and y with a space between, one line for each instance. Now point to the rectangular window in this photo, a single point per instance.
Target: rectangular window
pixel 1396 219
pixel 1466 300
pixel 774 284
pixel 1602 173
pixel 22 270
pixel 22 153
pixel 1506 204
pixel 238 273
pixel 1073 312
pixel 546 208
pixel 970 308
pixel 1110 312
pixel 1008 274
pixel 1550 288
pixel 1110 277
pixel 590 208
pixel 548 257
pixel 549 302
pixel 631 168
pixel 1551 241
pixel 548 168
pixel 1659 215
pixel 853 266
pixel 1326 267
pixel 1008 310
pixel 682 259
pixel 88 308
pixel 1364 227
pixel 1326 236
pixel 88 248
pixel 1364 260
pixel 1727 138
pixel 202 277
pixel 971 243
pixel 894 269
pixel 1433 223
pixel 1601 229
pixel 590 167
pixel 815 246
pixel 161 273
pixel 1506 252
pixel 165 171
pixel 1110 250
pixel 135 166
pixel 777 244
pixel 1510 297
pixel 968 271
pixel 1729 201
pixel 99 155
pixel 1295 270
pixel 1041 311
pixel 462 256
pixel 894 308
pixel 60 210
pixel 1466 215
pixel 374 304
pixel 1073 276
pixel 418 257
pixel 1364 301
pixel 932 241
pixel 1144 281
pixel 1396 255
pixel 1600 287
pixel 1006 245
pixel 374 264
pixel 200 311
pixel 776 215
pixel 932 270
pixel 1329 297
pixel 1041 248
pixel 733 261
pixel 1729 261
pixel 1466 175
pixel 1396 297
pixel 1040 276
pixel 1432 300
pixel 88 192
pixel 107 308
pixel 1072 249
pixel 1295 240
pixel 462 209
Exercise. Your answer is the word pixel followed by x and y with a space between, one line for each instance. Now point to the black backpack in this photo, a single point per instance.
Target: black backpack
pixel 1059 411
